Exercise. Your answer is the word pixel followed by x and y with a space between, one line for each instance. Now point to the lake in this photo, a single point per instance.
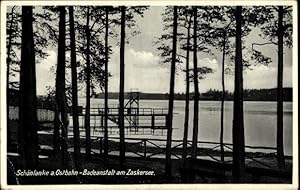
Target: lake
pixel 259 121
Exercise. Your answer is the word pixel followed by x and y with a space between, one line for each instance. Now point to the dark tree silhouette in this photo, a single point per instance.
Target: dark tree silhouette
pixel 28 114
pixel 74 89
pixel 88 87
pixel 13 41
pixel 127 19
pixel 238 115
pixel 106 85
pixel 222 42
pixel 168 167
pixel 278 32
pixel 196 88
pixel 14 30
pixel 187 78
pixel 164 42
pixel 221 35
pixel 223 95
pixel 91 52
pixel 40 27
pixel 60 94
pixel 121 88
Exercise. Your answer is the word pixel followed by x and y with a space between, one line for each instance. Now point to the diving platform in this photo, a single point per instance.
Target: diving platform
pixel 137 120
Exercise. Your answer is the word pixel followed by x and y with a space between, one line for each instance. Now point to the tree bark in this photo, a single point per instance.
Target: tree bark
pixel 187 95
pixel 27 110
pixel 280 151
pixel 196 88
pixel 238 112
pixel 168 167
pixel 121 89
pixel 74 89
pixel 223 98
pixel 106 88
pixel 61 100
pixel 88 87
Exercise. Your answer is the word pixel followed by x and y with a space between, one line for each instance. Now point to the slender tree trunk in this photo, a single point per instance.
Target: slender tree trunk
pixel 196 88
pixel 106 88
pixel 8 63
pixel 88 87
pixel 280 151
pixel 187 96
pixel 168 167
pixel 27 111
pixel 121 89
pixel 238 112
pixel 223 98
pixel 61 100
pixel 74 89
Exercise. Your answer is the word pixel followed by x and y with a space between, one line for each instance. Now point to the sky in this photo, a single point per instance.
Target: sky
pixel 145 73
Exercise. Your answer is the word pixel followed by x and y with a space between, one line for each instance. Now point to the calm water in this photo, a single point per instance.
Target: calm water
pixel 259 117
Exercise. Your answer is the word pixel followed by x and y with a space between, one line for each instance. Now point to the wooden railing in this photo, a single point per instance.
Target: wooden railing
pixel 148 148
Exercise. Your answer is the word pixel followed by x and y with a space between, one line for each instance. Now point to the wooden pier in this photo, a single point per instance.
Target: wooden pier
pixel 137 120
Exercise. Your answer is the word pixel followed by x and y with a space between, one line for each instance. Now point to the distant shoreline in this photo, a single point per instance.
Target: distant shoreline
pixel 201 100
pixel 211 95
pixel 266 95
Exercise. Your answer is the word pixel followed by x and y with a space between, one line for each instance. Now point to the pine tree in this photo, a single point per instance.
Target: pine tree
pixel 74 89
pixel 238 116
pixel 60 93
pixel 196 88
pixel 28 113
pixel 276 26
pixel 168 166
pixel 121 88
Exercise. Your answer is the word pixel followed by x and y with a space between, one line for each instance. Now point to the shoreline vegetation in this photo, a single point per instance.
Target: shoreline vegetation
pixel 211 95
pixel 214 95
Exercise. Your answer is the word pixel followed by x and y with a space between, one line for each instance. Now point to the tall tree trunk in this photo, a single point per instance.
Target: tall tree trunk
pixel 121 89
pixel 74 89
pixel 187 95
pixel 8 62
pixel 223 97
pixel 61 99
pixel 106 88
pixel 27 111
pixel 168 167
pixel 238 112
pixel 280 152
pixel 88 87
pixel 196 88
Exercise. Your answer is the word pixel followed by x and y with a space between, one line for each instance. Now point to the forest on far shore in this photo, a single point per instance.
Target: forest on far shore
pixel 212 94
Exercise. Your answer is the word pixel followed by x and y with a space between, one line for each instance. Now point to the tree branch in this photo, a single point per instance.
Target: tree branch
pixel 262 44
